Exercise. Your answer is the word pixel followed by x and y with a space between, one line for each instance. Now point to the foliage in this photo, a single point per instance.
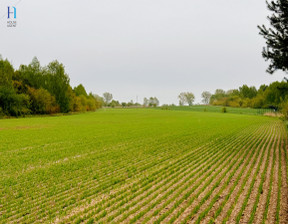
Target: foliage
pixel 42 102
pixel 145 102
pixel 41 90
pixel 284 109
pixel 247 92
pixel 151 102
pixel 32 75
pixel 6 73
pixel 182 99
pixel 12 103
pixel 271 96
pixel 114 103
pixel 186 97
pixel 107 98
pixel 80 90
pixel 206 97
pixel 98 100
pixel 58 84
pixel 165 107
pixel 277 36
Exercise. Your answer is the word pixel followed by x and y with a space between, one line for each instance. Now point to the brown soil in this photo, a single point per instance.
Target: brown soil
pixel 179 183
pixel 233 195
pixel 252 199
pixel 224 192
pixel 202 195
pixel 273 114
pixel 80 209
pixel 240 201
pixel 271 140
pixel 274 193
pixel 284 191
pixel 263 197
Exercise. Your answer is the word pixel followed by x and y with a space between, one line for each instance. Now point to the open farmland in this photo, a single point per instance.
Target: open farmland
pixel 144 166
pixel 218 109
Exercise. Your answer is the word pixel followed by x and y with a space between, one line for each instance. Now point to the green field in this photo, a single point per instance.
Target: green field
pixel 219 109
pixel 143 166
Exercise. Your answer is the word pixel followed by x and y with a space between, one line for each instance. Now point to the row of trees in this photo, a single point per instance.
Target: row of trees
pixel 273 96
pixel 151 102
pixel 108 101
pixel 186 98
pixel 189 98
pixel 276 51
pixel 33 89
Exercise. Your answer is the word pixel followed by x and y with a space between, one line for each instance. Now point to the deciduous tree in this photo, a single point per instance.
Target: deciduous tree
pixel 206 97
pixel 107 97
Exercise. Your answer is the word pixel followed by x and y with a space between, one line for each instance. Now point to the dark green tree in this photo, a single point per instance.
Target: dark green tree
pixel 32 75
pixel 80 90
pixel 276 36
pixel 6 73
pixel 57 83
pixel 12 103
pixel 247 92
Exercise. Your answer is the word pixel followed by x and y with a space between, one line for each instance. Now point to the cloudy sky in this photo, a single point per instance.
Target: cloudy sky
pixel 142 48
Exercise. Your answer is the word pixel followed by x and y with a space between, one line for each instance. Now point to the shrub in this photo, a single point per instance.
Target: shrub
pixel 42 102
pixel 284 110
pixel 12 103
pixel 165 107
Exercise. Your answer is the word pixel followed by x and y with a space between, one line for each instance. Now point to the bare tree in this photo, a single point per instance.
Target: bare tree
pixel 145 102
pixel 186 97
pixel 189 98
pixel 206 97
pixel 182 99
pixel 107 97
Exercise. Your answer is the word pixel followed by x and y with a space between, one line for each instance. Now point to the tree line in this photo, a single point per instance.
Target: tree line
pixel 273 96
pixel 33 89
pixel 108 101
pixel 36 89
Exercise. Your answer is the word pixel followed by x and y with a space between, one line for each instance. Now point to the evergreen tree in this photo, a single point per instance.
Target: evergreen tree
pixel 276 36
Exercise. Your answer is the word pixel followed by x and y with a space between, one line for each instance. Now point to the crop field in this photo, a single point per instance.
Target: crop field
pixel 144 166
pixel 218 109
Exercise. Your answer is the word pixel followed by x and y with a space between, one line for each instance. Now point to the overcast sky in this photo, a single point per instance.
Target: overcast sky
pixel 142 47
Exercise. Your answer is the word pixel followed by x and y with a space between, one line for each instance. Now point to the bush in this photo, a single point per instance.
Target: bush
pixel 224 110
pixel 284 110
pixel 12 103
pixel 165 107
pixel 42 102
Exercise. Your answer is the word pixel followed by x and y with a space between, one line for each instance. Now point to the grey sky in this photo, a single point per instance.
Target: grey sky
pixel 142 47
